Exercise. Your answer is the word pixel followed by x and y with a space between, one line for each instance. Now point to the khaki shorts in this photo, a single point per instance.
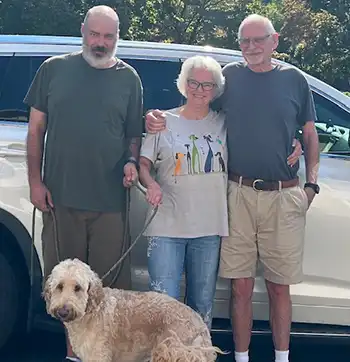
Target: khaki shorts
pixel 268 226
pixel 93 237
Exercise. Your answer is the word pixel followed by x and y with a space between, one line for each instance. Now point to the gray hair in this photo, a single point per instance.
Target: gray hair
pixel 201 62
pixel 105 11
pixel 256 18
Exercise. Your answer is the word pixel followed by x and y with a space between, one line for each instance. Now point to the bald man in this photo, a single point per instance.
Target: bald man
pixel 89 104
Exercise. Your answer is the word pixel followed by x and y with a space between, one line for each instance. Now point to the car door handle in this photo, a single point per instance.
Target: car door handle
pixel 17 146
pixel 7 153
pixel 13 150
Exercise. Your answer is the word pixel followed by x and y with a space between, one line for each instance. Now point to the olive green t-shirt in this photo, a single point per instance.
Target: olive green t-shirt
pixel 90 115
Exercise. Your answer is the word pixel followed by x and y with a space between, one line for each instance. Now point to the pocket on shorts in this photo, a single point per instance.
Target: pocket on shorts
pixel 297 199
pixel 305 198
pixel 304 201
pixel 232 196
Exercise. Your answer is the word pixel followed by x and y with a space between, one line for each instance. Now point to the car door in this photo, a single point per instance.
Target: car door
pixel 16 75
pixel 324 296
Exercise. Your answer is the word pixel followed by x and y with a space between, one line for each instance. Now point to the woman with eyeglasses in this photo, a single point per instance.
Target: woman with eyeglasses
pixel 190 187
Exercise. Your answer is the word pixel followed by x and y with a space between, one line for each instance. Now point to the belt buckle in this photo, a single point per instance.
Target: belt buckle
pixel 255 182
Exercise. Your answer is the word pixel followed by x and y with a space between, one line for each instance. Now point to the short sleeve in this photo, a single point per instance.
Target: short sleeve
pixel 307 110
pixel 134 120
pixel 37 95
pixel 150 146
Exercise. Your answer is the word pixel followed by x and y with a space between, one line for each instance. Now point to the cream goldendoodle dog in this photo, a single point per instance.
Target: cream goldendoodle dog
pixel 112 325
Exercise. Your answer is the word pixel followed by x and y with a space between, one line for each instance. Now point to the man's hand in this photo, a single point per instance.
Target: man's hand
pixel 310 193
pixel 40 197
pixel 130 174
pixel 154 194
pixel 294 157
pixel 155 121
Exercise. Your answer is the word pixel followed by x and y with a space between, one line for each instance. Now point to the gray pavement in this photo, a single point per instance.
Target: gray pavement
pixel 49 347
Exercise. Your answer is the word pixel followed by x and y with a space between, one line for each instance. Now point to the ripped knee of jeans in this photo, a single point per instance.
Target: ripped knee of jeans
pixel 157 286
pixel 152 243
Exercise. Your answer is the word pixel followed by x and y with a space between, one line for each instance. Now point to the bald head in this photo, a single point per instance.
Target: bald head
pixel 257 20
pixel 100 32
pixel 102 12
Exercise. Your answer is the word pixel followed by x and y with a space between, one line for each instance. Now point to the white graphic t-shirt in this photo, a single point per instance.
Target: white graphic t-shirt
pixel 190 160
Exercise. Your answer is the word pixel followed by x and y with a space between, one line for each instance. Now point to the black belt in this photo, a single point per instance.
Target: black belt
pixel 261 185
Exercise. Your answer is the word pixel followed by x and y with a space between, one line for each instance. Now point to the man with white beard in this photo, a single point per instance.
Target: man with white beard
pixel 89 104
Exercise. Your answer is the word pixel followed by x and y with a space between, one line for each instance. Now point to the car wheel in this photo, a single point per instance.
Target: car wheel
pixel 11 305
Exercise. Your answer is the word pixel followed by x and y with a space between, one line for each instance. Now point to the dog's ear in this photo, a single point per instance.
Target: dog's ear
pixel 95 293
pixel 46 293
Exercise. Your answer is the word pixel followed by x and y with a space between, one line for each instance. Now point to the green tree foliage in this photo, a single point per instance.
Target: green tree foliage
pixel 314 34
pixel 313 39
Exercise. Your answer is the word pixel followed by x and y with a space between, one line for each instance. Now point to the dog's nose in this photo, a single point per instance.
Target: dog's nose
pixel 63 312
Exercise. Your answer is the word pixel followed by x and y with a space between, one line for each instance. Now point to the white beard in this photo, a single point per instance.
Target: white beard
pixel 96 62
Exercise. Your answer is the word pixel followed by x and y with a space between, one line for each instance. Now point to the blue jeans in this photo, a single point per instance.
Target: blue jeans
pixel 199 257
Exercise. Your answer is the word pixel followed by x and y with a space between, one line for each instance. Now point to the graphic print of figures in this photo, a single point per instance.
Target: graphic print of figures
pixel 195 154
pixel 221 162
pixel 188 158
pixel 179 156
pixel 208 167
pixel 218 140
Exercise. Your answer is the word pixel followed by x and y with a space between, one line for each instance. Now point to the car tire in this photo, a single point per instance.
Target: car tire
pixel 13 301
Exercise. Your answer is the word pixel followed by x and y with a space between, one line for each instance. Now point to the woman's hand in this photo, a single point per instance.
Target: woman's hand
pixel 298 151
pixel 154 194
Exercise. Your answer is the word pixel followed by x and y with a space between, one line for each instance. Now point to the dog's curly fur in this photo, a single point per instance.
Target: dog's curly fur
pixel 110 325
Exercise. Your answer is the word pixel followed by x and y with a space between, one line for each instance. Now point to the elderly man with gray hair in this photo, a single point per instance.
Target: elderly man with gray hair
pixel 264 104
pixel 90 105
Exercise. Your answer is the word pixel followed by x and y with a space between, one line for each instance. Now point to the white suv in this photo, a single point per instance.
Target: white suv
pixel 322 300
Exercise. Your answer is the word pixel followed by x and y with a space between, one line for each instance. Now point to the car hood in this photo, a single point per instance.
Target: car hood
pixel 12 133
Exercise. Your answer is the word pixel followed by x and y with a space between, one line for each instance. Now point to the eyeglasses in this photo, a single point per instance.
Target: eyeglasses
pixel 206 86
pixel 258 40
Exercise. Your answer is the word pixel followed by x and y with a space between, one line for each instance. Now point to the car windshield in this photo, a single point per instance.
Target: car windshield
pixel 333 126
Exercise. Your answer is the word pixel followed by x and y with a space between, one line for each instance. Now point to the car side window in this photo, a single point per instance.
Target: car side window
pixel 159 82
pixel 333 126
pixel 16 75
pixel 14 79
